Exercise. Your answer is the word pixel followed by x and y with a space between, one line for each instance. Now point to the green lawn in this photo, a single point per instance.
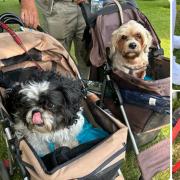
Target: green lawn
pixel 9 6
pixel 158 13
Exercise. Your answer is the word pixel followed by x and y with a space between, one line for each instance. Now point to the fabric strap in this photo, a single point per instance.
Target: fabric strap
pixel 175 133
pixel 176 167
pixel 18 40
pixel 176 130
pixel 120 11
pixel 154 159
pixel 13 34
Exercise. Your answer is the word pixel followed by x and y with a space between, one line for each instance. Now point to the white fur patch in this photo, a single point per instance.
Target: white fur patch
pixel 33 89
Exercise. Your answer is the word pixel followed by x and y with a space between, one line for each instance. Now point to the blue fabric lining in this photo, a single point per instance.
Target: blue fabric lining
pixel 89 133
pixel 148 78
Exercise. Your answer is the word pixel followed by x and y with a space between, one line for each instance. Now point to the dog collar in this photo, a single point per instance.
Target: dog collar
pixel 133 70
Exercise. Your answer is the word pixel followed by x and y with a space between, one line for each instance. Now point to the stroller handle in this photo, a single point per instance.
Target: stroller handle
pixel 10 18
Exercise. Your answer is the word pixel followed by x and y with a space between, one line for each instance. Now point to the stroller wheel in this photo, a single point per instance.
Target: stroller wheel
pixel 3 172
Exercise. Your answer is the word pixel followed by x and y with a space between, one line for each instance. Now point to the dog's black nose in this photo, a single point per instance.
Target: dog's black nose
pixel 132 45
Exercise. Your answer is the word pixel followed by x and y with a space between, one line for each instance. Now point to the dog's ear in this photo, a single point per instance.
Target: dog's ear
pixel 72 91
pixel 115 39
pixel 147 41
pixel 70 117
pixel 12 98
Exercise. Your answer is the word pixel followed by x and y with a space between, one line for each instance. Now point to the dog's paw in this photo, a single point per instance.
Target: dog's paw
pixel 73 144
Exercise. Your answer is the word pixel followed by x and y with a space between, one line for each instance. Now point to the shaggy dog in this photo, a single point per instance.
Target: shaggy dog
pixel 46 110
pixel 130 47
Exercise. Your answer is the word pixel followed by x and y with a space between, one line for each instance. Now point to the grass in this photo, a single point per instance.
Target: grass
pixel 153 10
pixel 9 6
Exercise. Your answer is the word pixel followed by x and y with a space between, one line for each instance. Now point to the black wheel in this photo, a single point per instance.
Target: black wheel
pixel 3 172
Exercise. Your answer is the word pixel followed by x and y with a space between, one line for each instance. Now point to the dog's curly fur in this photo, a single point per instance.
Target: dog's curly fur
pixel 130 48
pixel 57 100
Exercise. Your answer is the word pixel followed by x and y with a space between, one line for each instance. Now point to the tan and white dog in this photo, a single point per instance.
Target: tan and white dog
pixel 130 47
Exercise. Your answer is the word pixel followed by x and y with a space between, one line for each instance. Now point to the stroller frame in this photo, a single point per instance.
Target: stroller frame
pixel 12 146
pixel 113 84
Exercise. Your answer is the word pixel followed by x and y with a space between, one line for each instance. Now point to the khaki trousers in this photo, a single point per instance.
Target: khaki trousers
pixel 67 25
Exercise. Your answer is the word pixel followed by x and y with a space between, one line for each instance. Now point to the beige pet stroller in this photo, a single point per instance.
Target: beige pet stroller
pixel 29 51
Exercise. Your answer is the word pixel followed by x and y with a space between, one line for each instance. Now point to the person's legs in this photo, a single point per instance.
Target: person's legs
pixel 80 51
pixel 67 24
pixel 61 23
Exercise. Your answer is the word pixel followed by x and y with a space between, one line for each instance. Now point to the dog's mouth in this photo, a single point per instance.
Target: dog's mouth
pixel 131 54
pixel 37 118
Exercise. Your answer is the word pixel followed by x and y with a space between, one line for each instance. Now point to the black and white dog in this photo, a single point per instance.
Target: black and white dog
pixel 46 109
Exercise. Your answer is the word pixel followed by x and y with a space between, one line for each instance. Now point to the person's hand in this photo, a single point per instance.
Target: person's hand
pixel 29 13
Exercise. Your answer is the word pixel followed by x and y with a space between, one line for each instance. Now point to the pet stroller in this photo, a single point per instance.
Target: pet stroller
pixel 27 51
pixel 147 123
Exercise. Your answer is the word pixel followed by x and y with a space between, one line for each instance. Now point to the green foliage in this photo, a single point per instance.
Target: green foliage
pixel 176 104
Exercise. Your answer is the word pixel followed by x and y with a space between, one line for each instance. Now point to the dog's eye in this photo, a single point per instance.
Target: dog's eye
pixel 123 37
pixel 138 35
pixel 51 106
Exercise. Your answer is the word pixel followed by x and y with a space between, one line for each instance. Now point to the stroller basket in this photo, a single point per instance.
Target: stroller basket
pixel 101 26
pixel 112 150
pixel 103 160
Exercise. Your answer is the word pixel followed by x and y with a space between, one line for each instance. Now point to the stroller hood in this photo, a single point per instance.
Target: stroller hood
pixel 47 50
